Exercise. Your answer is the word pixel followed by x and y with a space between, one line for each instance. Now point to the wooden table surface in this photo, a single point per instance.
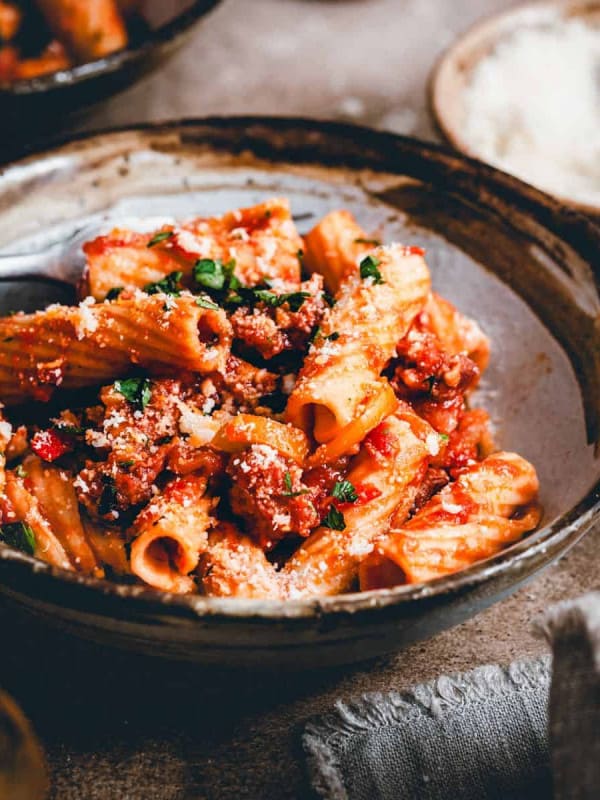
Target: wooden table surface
pixel 117 727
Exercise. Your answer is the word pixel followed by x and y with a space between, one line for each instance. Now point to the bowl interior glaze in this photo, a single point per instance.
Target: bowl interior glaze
pixel 502 252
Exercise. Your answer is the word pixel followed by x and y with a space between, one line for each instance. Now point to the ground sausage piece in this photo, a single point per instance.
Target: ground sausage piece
pixel 269 493
pixel 135 444
pixel 259 332
pixel 271 330
pixel 432 380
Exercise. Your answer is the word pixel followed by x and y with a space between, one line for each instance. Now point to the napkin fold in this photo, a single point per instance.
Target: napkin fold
pixel 480 735
pixel 573 629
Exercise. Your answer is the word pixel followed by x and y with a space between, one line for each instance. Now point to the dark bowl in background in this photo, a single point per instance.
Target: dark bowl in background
pixel 522 263
pixel 51 96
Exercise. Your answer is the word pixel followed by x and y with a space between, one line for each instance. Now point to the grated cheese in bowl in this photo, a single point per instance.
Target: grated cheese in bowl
pixel 532 108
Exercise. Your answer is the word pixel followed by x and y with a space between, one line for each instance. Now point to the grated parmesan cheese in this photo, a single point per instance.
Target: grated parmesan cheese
pixel 86 322
pixel 200 428
pixel 533 107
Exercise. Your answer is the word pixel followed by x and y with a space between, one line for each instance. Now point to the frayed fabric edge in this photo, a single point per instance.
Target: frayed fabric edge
pixel 324 737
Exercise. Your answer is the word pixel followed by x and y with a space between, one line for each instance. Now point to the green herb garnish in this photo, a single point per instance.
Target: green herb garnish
pixel 170 284
pixel 204 302
pixel 65 427
pixel 289 492
pixel 137 391
pixel 345 492
pixel 368 269
pixel 444 437
pixel 333 337
pixel 113 293
pixel 20 471
pixel 160 237
pixel 334 519
pixel 294 300
pixel 210 273
pixel 126 464
pixel 267 297
pixel 18 535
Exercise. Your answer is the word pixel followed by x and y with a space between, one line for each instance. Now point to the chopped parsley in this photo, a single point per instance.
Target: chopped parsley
pixel 294 300
pixel 329 299
pixel 160 237
pixel 334 519
pixel 204 302
pixel 316 332
pixel 113 293
pixel 20 471
pixel 332 337
pixel 345 492
pixel 266 296
pixel 108 497
pixel 289 492
pixel 368 269
pixel 374 242
pixel 212 273
pixel 71 430
pixel 136 391
pixel 126 464
pixel 18 535
pixel 170 284
pixel 225 288
pixel 444 437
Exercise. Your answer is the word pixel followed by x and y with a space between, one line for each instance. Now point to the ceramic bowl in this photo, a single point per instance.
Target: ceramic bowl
pixel 523 264
pixel 452 73
pixel 49 97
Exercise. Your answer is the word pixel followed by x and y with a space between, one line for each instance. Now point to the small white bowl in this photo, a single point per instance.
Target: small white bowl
pixel 452 73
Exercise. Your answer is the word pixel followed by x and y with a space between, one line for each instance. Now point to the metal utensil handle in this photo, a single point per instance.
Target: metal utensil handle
pixel 35 265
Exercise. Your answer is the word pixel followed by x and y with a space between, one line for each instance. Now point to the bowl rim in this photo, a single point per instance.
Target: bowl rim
pixel 545 209
pixel 64 78
pixel 493 26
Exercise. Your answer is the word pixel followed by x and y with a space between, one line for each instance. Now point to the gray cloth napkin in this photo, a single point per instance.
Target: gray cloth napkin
pixel 481 735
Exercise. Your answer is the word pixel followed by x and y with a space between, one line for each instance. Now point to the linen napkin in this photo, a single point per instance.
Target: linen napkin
pixel 479 735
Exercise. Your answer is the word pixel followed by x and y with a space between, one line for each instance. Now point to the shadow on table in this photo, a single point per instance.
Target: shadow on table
pixel 109 716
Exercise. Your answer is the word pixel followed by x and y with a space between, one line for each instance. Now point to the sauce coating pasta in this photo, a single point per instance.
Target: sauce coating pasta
pixel 236 411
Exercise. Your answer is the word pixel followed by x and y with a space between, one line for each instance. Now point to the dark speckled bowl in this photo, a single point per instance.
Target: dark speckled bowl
pixel 524 265
pixel 49 97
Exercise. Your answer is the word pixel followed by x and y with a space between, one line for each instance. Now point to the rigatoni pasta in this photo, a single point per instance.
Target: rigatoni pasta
pixel 490 505
pixel 69 348
pixel 210 419
pixel 375 306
